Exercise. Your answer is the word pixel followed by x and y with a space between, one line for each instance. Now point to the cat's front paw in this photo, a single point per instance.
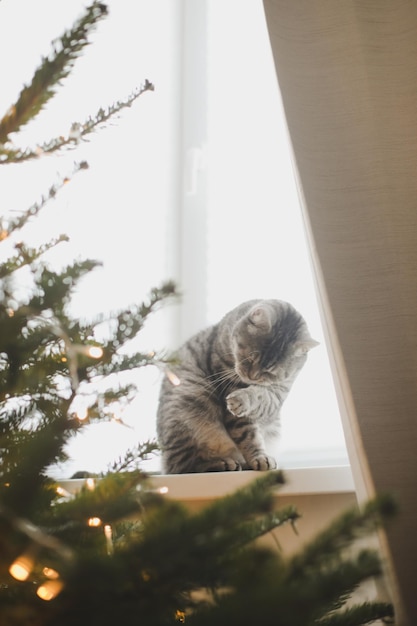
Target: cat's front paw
pixel 262 462
pixel 240 402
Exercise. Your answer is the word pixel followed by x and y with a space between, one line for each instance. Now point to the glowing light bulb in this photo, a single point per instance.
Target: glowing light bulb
pixel 95 352
pixel 90 483
pixel 21 568
pixel 62 492
pixel 49 589
pixel 173 378
pixel 163 490
pixel 108 533
pixel 82 413
pixel 51 573
pixel 94 522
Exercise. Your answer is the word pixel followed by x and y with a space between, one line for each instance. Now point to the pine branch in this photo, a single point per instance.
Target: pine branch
pixel 103 115
pixel 54 289
pixel 10 225
pixel 360 614
pixel 26 256
pixel 131 320
pixel 252 530
pixel 36 452
pixel 341 533
pixel 260 593
pixel 321 591
pixel 35 361
pixel 211 536
pixel 134 456
pixel 120 363
pixel 114 497
pixel 12 414
pixel 77 132
pixel 106 406
pixel 50 73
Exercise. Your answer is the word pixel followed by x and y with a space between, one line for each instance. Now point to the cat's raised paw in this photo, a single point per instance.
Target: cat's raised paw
pixel 239 402
pixel 263 462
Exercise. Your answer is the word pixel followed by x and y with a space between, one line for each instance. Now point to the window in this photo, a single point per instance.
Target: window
pixel 193 183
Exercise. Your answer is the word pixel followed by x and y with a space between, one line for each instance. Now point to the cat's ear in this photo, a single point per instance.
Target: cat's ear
pixel 305 345
pixel 260 318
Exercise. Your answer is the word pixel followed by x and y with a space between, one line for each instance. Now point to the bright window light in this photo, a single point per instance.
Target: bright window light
pixel 256 241
pixel 171 173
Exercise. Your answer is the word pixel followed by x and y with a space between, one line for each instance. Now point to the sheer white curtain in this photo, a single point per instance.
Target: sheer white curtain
pixel 348 77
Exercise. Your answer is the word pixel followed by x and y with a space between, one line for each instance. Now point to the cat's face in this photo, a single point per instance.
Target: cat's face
pixel 270 344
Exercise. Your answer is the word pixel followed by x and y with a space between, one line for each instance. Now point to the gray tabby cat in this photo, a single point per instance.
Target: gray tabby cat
pixel 232 379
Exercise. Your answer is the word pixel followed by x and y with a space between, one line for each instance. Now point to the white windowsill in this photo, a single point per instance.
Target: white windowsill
pixel 299 481
pixel 209 486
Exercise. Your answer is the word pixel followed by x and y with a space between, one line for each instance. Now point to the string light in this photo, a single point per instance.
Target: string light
pixel 108 533
pixel 62 492
pixel 21 568
pixel 118 420
pixel 49 589
pixel 180 616
pixel 173 378
pixel 95 352
pixel 82 413
pixel 51 573
pixel 90 483
pixel 163 490
pixel 94 522
pixel 72 350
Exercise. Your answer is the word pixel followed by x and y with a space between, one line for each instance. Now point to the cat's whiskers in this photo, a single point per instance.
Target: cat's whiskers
pixel 227 373
pixel 222 376
pixel 226 378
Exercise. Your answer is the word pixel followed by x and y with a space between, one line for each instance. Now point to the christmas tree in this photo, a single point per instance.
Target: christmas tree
pixel 117 551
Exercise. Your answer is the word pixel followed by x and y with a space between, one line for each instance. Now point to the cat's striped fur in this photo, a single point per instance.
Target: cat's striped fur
pixel 233 378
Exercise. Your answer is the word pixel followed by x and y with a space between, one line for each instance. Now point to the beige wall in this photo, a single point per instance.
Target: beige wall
pixel 317 511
